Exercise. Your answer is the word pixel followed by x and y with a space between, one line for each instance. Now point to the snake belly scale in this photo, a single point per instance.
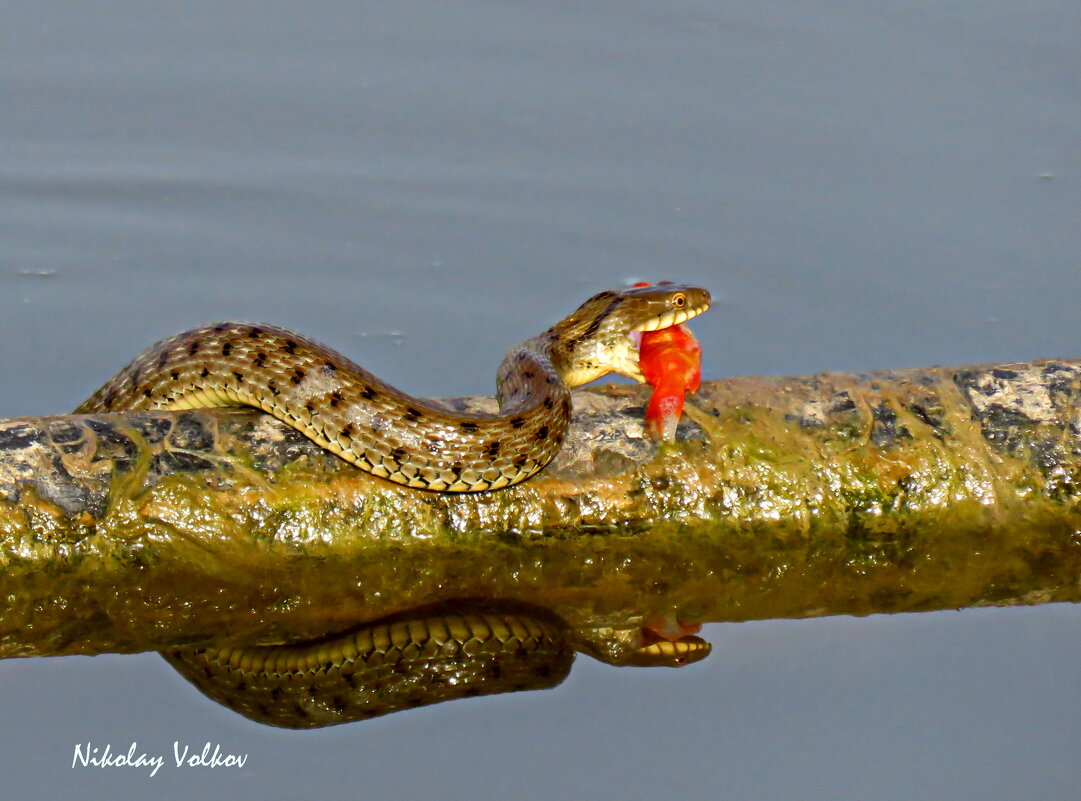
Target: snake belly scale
pixel 417 658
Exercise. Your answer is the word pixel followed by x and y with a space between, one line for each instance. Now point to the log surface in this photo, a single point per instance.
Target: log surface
pixel 905 490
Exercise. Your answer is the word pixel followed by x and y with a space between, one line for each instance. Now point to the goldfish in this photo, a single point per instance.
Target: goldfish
pixel 671 361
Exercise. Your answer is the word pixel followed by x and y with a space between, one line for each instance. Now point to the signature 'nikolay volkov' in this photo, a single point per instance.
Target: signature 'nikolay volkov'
pixel 211 756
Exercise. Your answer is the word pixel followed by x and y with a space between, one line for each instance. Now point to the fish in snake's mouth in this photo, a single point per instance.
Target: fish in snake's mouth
pixel 629 364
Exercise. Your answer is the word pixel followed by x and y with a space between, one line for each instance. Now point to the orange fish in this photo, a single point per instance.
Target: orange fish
pixel 671 361
pixel 668 627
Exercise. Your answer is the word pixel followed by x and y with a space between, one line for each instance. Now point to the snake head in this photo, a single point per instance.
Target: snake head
pixel 599 337
pixel 640 647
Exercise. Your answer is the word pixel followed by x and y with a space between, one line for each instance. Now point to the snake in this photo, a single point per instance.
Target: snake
pixel 456 648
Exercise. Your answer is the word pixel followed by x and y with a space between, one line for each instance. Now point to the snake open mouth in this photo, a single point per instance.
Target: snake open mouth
pixel 670 318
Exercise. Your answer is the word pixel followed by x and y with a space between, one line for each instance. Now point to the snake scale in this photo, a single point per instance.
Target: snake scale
pixel 451 650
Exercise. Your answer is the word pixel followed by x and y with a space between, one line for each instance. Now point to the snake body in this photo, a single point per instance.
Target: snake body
pixel 418 658
pixel 424 657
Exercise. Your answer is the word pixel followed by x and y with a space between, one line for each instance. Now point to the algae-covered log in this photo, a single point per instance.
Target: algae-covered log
pixel 786 497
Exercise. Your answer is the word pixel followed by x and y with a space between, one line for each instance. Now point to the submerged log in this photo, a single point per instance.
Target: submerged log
pixel 894 491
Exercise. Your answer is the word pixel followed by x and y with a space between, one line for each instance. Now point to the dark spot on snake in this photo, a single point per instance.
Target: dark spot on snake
pixel 398 453
pixel 147 393
pixel 239 377
pixel 338 703
pixel 208 672
pixel 543 671
pixel 298 376
pixel 596 323
pixel 273 388
pixel 350 680
pixel 548 404
pixel 260 357
pixel 226 348
pixel 275 693
pixel 329 368
pixel 517 422
pixel 412 414
pixel 290 346
pixel 470 692
pixel 310 407
pixel 468 426
pixel 241 686
pixel 174 375
pixel 263 709
pixel 520 686
pixel 255 333
pixel 368 393
pixel 492 448
pixel 193 348
pixel 335 398
pixel 163 359
pixel 414 701
pixel 520 460
pixel 220 327
pixel 300 711
pixel 347 430
pixel 109 398
pixel 313 691
pixel 205 372
pixel 542 433
pixel 529 374
pixel 496 672
pixel 600 296
pixel 520 357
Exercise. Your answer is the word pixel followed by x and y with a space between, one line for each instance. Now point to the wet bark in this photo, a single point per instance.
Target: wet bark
pixel 904 490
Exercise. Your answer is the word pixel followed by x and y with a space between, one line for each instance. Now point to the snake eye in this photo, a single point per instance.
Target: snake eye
pixel 679 300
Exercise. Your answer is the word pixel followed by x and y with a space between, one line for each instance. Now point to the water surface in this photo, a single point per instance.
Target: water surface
pixel 421 185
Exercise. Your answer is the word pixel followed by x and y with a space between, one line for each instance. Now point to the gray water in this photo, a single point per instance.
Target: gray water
pixel 421 184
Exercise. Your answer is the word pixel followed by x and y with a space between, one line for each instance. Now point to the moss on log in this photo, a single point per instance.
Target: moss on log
pixel 892 491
